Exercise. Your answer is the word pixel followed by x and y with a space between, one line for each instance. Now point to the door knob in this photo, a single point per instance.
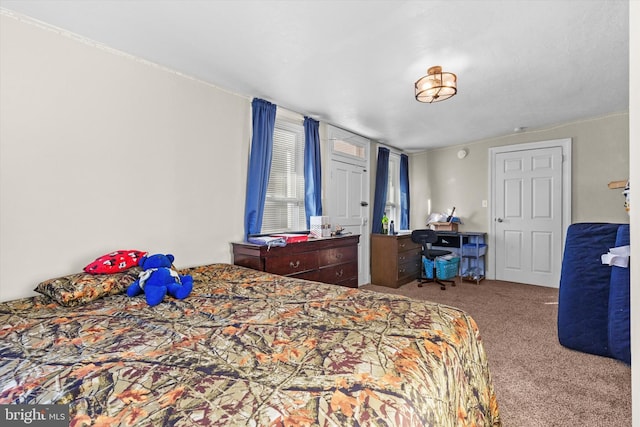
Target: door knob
pixel 364 204
pixel 499 219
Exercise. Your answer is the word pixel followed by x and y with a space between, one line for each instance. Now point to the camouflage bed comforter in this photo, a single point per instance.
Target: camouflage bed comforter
pixel 249 349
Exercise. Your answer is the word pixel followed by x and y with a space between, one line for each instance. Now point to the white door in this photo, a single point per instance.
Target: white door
pixel 528 216
pixel 349 194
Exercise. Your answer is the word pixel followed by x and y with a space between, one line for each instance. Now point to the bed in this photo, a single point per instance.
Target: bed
pixel 248 348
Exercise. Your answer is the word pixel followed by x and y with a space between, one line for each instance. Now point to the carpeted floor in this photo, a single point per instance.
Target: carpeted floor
pixel 538 382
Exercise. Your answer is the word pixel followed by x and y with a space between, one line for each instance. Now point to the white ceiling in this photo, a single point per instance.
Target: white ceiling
pixel 532 63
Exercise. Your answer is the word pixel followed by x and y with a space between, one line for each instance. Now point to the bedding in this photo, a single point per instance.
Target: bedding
pixel 82 288
pixel 249 348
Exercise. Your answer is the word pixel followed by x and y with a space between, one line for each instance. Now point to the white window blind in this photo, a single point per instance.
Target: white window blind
pixel 392 206
pixel 284 205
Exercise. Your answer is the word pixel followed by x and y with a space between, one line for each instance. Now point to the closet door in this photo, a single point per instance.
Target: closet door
pixel 528 216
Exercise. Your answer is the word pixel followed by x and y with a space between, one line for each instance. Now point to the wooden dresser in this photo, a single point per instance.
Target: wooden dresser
pixel 330 260
pixel 395 260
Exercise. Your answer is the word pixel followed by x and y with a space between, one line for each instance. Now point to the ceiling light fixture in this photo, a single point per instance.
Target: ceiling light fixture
pixel 436 85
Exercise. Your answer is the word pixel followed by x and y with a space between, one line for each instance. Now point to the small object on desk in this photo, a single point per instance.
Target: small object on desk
pixel 292 237
pixel 385 223
pixel 445 226
pixel 436 217
pixel 443 222
pixel 268 241
pixel 340 231
pixel 450 217
pixel 320 226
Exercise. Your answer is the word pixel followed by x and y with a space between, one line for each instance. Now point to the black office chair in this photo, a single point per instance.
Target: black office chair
pixel 426 238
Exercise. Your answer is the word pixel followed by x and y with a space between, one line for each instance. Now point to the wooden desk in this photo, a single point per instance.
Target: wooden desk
pixel 395 259
pixel 472 256
pixel 331 260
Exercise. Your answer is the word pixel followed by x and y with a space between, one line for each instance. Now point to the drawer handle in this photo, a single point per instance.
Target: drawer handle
pixel 338 255
pixel 340 273
pixel 296 265
pixel 402 245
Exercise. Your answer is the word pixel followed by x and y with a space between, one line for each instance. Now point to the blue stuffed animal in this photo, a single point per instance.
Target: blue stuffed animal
pixel 158 279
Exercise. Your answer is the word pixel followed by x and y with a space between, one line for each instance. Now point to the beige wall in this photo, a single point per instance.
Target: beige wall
pixel 600 154
pixel 100 151
pixel 87 131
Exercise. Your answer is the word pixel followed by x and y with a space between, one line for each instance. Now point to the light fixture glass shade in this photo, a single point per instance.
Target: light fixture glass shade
pixel 436 86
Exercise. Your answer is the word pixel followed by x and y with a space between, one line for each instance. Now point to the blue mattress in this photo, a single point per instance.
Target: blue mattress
pixel 619 305
pixel 583 301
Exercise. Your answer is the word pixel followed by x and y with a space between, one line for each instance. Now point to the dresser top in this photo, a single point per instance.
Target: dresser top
pixel 310 240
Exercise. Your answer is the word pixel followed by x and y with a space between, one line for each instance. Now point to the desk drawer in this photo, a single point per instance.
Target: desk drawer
pixel 409 255
pixel 409 269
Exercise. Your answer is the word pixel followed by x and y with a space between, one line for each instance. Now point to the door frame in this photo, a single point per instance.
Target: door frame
pixel 364 161
pixel 565 144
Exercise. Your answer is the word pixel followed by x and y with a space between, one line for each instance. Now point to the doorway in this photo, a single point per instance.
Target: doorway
pixel 348 198
pixel 530 210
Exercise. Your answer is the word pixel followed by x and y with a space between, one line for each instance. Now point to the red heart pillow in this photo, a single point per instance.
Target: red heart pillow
pixel 115 262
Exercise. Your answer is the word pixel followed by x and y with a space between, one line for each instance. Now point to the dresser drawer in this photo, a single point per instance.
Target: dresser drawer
pixel 339 273
pixel 350 283
pixel 337 255
pixel 290 264
pixel 308 275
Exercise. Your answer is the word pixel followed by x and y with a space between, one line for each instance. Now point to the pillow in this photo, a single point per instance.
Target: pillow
pixel 82 288
pixel 115 262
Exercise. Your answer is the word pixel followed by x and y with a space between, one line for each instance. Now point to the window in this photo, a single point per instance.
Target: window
pixel 353 150
pixel 392 206
pixel 284 204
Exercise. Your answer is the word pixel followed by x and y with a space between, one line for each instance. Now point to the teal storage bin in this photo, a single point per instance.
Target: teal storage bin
pixel 445 268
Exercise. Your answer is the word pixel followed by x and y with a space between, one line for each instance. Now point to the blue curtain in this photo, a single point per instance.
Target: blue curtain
pixel 380 196
pixel 404 192
pixel 264 119
pixel 312 172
